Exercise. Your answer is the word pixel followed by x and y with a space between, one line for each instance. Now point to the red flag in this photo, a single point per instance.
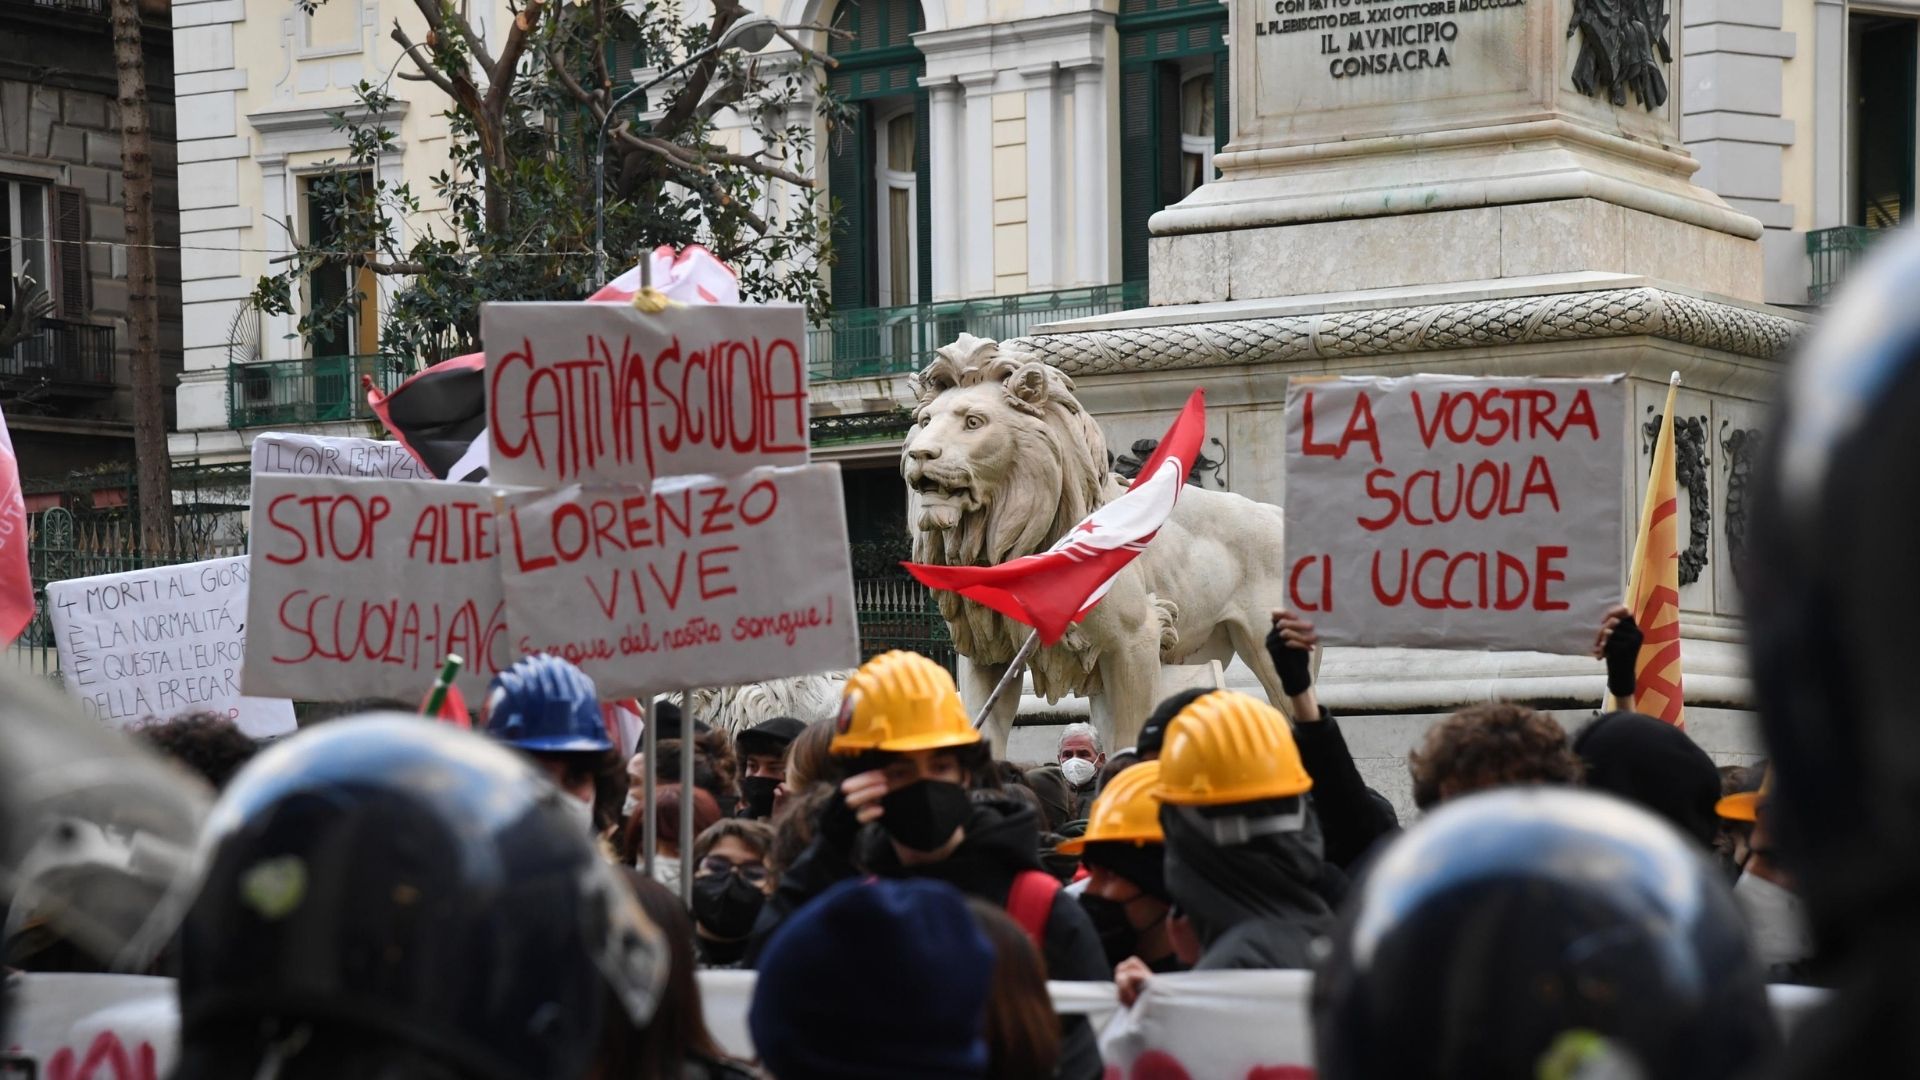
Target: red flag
pixel 1060 585
pixel 453 708
pixel 16 579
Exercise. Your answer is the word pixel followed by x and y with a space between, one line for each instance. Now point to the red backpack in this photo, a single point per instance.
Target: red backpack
pixel 1030 902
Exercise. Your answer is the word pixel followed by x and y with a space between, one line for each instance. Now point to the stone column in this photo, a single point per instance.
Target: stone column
pixel 947 161
pixel 1043 186
pixel 1090 227
pixel 1829 113
pixel 977 269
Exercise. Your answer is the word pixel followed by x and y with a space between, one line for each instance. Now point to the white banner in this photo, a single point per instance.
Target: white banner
pixel 587 392
pixel 702 581
pixel 1450 512
pixel 1208 1022
pixel 90 1027
pixel 160 643
pixel 362 587
pixel 289 453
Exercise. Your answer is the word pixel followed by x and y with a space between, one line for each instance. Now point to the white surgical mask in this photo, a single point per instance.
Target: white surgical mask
pixel 581 809
pixel 1077 770
pixel 1777 920
pixel 627 808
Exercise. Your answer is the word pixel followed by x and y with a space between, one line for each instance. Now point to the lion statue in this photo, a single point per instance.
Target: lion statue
pixel 1002 460
pixel 807 698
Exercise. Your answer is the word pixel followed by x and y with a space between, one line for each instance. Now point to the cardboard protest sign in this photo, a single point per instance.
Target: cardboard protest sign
pixel 1453 512
pixel 90 1027
pixel 580 393
pixel 291 453
pixel 362 587
pixel 161 642
pixel 700 581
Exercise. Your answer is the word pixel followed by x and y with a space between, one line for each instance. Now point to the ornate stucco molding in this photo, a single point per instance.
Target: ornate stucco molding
pixel 1474 324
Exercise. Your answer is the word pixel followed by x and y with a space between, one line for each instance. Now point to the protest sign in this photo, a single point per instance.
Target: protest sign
pixel 160 642
pixel 362 587
pixel 1452 512
pixel 700 581
pixel 291 453
pixel 578 393
pixel 90 1027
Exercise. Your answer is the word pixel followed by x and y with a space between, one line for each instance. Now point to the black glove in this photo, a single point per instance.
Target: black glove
pixel 1294 665
pixel 838 825
pixel 1623 650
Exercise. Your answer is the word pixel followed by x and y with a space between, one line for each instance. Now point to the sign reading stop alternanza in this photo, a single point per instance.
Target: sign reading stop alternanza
pixel 361 587
pixel 1450 512
pixel 700 581
pixel 584 393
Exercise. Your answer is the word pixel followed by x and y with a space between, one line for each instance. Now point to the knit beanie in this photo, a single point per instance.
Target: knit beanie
pixel 875 979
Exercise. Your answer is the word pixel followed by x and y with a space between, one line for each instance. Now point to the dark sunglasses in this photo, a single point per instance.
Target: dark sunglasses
pixel 751 873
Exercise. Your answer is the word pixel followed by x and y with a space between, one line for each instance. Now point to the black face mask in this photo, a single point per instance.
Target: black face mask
pixel 924 814
pixel 726 904
pixel 757 793
pixel 1118 938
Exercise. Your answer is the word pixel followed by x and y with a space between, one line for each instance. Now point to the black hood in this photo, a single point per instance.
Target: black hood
pixel 1655 765
pixel 1255 900
pixel 1003 838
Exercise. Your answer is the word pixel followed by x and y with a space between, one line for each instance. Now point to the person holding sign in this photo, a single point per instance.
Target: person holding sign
pixel 548 710
pixel 909 806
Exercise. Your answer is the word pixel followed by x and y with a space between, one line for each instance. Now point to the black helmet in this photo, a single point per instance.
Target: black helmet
pixel 1830 587
pixel 1520 930
pixel 418 883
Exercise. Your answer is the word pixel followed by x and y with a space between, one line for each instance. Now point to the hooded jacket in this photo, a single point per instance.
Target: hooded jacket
pixel 1002 839
pixel 1254 905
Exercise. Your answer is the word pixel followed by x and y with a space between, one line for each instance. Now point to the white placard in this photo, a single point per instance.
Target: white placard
pixel 701 581
pixel 160 643
pixel 293 454
pixel 588 392
pixel 1459 513
pixel 362 587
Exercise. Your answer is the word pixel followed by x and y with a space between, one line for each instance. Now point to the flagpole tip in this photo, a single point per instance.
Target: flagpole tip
pixel 1673 379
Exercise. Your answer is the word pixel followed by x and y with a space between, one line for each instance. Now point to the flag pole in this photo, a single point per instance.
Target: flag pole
pixel 438 695
pixel 649 754
pixel 686 797
pixel 1015 670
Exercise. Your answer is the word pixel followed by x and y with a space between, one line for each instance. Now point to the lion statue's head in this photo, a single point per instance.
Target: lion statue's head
pixel 1002 458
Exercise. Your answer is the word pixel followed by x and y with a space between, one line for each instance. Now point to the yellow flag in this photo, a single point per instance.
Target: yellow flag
pixel 1653 584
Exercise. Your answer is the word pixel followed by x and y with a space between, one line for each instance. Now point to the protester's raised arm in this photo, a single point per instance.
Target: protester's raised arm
pixel 1618 643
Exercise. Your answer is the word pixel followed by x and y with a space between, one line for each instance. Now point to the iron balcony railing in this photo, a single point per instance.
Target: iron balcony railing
pixel 896 340
pixel 310 391
pixel 1833 253
pixel 63 354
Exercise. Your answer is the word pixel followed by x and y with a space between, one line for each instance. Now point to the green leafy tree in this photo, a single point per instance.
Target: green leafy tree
pixel 518 197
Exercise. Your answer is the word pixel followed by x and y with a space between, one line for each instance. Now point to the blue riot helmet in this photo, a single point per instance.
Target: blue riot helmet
pixel 1541 933
pixel 545 705
pixel 387 881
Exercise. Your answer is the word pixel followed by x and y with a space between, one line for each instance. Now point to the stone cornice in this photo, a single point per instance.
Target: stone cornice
pixel 1599 314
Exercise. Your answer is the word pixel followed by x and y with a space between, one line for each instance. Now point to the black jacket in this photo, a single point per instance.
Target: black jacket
pixel 1002 840
pixel 1353 816
pixel 1253 905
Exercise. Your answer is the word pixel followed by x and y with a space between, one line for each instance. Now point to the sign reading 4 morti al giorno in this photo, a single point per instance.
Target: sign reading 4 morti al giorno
pixel 1450 512
pixel 584 393
pixel 700 581
pixel 361 587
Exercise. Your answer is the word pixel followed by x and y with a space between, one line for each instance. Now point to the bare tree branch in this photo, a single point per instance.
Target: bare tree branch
pixel 474 43
pixel 502 73
pixel 428 69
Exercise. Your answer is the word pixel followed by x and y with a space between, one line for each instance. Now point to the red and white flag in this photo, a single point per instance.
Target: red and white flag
pixel 16 579
pixel 1058 586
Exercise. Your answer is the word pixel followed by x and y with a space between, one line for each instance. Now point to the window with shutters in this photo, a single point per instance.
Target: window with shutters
pixel 1173 110
pixel 24 236
pixel 72 286
pixel 877 165
pixel 352 325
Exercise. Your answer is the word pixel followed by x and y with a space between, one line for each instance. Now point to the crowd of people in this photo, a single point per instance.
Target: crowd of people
pixel 384 896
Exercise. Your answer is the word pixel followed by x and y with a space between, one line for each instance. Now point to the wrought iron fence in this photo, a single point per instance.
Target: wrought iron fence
pixel 1833 253
pixel 63 353
pixel 63 545
pixel 313 390
pixel 899 613
pixel 895 340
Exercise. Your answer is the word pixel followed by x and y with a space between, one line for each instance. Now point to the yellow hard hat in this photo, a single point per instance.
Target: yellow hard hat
pixel 1745 805
pixel 1229 748
pixel 901 701
pixel 1127 811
